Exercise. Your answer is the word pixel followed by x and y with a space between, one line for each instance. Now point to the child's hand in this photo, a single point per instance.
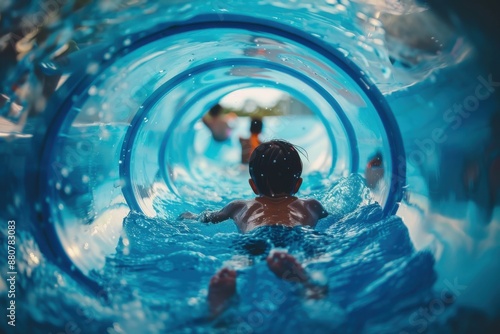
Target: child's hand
pixel 187 215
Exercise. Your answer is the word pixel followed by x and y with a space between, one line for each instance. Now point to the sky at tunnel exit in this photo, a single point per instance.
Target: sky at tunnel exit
pixel 263 97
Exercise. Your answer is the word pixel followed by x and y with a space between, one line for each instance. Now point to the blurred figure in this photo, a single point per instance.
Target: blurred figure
pixel 471 176
pixel 374 170
pixel 248 145
pixel 480 174
pixel 219 124
pixel 14 118
pixel 493 160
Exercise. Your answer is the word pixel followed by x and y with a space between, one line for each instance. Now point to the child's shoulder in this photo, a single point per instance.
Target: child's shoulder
pixel 310 200
pixel 239 203
pixel 311 203
pixel 315 206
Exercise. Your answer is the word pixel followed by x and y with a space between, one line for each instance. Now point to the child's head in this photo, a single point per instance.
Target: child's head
pixel 215 110
pixel 256 126
pixel 275 169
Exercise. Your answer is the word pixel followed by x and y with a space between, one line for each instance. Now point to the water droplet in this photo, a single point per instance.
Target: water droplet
pixel 92 90
pixel 67 189
pixel 92 68
pixel 64 172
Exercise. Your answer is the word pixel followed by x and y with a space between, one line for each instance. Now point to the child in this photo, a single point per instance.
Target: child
pixel 219 124
pixel 374 170
pixel 275 168
pixel 250 144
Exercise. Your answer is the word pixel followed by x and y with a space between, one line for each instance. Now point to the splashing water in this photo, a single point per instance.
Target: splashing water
pixel 70 98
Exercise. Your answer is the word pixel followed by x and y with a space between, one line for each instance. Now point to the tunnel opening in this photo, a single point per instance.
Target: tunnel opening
pixel 397 97
pixel 141 106
pixel 105 182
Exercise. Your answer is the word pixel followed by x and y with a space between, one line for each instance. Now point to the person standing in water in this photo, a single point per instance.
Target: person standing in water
pixel 248 145
pixel 374 171
pixel 219 124
pixel 275 168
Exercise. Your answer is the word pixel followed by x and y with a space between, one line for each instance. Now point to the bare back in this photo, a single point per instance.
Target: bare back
pixel 266 211
pixel 220 126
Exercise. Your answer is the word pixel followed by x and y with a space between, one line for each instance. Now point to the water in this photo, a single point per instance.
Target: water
pixel 157 278
pixel 103 149
pixel 265 303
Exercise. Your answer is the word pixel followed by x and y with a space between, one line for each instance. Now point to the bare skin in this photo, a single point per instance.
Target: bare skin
pixel 220 290
pixel 286 267
pixel 247 147
pixel 220 125
pixel 282 209
pixel 222 286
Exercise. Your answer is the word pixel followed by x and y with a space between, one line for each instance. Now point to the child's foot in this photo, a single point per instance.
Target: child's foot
pixel 286 267
pixel 220 290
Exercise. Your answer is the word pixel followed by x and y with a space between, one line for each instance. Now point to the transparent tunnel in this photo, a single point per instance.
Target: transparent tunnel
pixel 120 130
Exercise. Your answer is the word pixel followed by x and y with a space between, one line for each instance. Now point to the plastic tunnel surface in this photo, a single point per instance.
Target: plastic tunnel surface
pixel 101 112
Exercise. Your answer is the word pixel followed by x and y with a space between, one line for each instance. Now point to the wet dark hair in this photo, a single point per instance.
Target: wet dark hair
pixel 275 166
pixel 215 110
pixel 256 126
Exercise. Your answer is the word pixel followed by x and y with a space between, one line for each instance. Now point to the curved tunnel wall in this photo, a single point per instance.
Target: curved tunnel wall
pixel 138 139
pixel 326 61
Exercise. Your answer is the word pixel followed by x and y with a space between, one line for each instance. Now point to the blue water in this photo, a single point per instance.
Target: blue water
pixel 157 278
pixel 102 148
pixel 357 261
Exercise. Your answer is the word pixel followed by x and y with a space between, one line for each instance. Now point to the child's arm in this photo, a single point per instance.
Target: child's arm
pixel 317 208
pixel 215 216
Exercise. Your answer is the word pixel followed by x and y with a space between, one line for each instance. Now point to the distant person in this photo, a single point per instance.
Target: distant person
pixel 219 124
pixel 374 170
pixel 275 168
pixel 493 160
pixel 476 167
pixel 471 176
pixel 250 144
